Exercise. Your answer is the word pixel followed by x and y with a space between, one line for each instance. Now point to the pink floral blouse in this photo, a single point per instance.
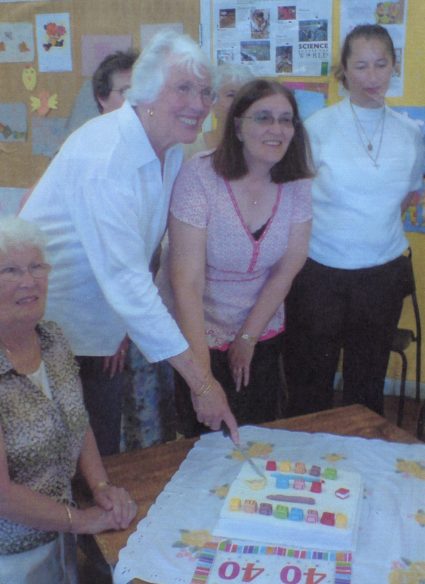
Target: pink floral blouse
pixel 237 265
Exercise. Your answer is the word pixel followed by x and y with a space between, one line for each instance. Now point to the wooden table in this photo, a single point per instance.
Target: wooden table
pixel 144 473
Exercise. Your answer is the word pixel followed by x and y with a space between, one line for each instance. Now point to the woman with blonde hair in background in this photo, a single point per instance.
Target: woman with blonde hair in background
pixel 228 79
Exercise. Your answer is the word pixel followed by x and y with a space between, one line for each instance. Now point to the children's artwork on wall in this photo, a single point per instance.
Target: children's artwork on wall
pixel 14 1
pixel 47 135
pixel 54 42
pixel 10 199
pixel 43 102
pixel 95 47
pixel 29 78
pixel 310 96
pixel 16 42
pixel 13 122
pixel 414 217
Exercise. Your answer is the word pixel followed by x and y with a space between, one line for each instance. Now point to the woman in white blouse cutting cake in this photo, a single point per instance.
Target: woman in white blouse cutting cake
pixel 368 161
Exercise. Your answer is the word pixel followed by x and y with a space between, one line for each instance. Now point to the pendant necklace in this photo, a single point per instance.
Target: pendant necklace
pixel 366 142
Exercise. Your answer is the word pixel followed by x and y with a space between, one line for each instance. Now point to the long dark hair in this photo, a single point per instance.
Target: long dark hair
pixel 228 158
pixel 368 32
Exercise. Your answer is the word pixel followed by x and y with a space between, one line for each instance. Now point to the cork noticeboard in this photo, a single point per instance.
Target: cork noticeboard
pixel 19 166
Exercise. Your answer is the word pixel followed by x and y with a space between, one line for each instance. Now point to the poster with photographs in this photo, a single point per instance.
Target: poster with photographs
pixel 392 15
pixel 276 37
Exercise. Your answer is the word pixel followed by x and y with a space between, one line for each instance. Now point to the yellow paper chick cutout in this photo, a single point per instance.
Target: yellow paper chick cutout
pixel 29 78
pixel 43 103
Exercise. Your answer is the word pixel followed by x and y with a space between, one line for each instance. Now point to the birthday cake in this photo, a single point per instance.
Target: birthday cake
pixel 296 503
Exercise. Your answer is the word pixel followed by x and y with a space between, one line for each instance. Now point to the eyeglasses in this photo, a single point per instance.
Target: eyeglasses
pixel 186 90
pixel 266 118
pixel 122 90
pixel 15 273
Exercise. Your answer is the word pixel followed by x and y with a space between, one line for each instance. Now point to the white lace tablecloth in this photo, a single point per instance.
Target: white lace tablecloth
pixel 391 543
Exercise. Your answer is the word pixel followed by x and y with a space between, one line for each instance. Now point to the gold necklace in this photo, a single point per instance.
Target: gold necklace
pixel 366 142
pixel 21 363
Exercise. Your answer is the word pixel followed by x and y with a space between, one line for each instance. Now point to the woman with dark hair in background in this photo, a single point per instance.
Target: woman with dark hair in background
pixel 239 229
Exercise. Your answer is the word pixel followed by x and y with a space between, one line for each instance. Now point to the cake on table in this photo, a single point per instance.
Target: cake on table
pixel 296 503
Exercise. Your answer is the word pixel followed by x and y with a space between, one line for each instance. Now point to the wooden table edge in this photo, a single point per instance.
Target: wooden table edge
pixel 355 420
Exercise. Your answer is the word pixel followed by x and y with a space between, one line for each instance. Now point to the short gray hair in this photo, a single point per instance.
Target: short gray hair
pixel 232 73
pixel 167 48
pixel 15 232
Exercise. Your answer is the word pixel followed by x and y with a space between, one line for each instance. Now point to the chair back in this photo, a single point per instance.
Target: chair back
pixel 409 283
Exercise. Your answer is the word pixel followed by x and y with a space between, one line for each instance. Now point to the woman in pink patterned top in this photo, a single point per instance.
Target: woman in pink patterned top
pixel 239 229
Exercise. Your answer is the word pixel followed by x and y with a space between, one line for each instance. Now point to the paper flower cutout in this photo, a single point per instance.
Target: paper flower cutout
pixel 55 34
pixel 44 102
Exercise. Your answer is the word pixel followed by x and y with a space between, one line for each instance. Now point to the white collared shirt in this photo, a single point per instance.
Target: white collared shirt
pixel 103 204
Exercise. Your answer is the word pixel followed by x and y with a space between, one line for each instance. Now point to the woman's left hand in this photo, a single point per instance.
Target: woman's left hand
pixel 115 363
pixel 240 356
pixel 117 500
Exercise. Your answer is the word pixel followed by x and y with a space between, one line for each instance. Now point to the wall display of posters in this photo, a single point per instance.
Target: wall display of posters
pixel 16 42
pixel 13 122
pixel 10 200
pixel 95 47
pixel 47 135
pixel 392 15
pixel 414 216
pixel 13 1
pixel 54 42
pixel 274 38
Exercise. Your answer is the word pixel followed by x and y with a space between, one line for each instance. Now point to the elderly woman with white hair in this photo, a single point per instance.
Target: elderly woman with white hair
pixel 229 78
pixel 44 429
pixel 103 201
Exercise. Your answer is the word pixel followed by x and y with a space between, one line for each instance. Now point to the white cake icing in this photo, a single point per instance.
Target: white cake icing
pixel 340 497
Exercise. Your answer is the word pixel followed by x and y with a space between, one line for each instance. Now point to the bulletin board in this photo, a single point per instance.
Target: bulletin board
pixel 414 86
pixel 412 100
pixel 19 166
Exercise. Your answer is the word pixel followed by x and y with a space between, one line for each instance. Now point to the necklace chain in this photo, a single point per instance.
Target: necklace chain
pixel 367 142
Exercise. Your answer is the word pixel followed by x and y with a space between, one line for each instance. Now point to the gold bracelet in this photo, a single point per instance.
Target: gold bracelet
pixel 250 339
pixel 205 388
pixel 68 512
pixel 101 485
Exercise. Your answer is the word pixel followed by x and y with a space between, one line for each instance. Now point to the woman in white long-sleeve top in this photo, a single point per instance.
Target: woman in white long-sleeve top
pixel 369 161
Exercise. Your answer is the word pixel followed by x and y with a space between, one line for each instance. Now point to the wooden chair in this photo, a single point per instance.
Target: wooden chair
pixel 403 338
pixel 421 424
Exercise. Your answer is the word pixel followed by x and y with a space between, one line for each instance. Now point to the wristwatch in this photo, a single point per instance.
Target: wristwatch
pixel 251 340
